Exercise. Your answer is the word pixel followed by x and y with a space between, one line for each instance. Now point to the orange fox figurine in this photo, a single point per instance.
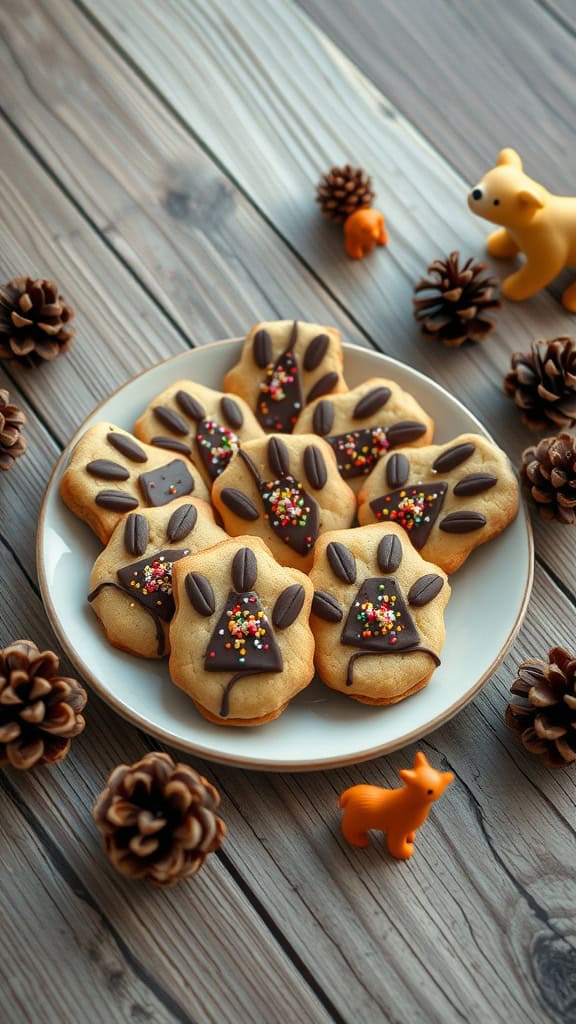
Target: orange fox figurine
pixel 363 230
pixel 397 812
pixel 533 221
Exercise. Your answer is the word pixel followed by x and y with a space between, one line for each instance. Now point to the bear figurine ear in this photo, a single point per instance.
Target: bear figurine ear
pixel 530 199
pixel 510 158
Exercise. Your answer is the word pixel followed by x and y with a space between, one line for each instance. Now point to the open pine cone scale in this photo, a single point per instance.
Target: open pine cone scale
pixel 459 299
pixel 545 721
pixel 40 712
pixel 158 820
pixel 35 321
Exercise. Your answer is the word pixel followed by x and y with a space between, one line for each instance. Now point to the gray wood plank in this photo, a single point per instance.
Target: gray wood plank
pixel 470 81
pixel 183 52
pixel 111 950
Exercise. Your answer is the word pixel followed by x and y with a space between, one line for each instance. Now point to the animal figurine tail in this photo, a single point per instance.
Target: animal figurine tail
pixel 397 812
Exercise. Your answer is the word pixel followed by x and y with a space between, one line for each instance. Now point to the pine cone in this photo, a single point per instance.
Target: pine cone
pixel 35 321
pixel 12 419
pixel 40 711
pixel 343 191
pixel 549 471
pixel 542 382
pixel 455 311
pixel 158 819
pixel 545 720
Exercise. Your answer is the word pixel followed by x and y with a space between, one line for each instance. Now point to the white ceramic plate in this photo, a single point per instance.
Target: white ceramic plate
pixel 321 728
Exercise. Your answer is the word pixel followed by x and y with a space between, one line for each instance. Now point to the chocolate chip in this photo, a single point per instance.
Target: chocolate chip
pixel 389 553
pixel 315 467
pixel 315 352
pixel 171 444
pixel 288 606
pixel 190 406
pixel 116 501
pixel 127 446
pixel 200 594
pixel 136 534
pixel 107 470
pixel 278 456
pixel 262 348
pixel 425 589
pixel 397 470
pixel 326 607
pixel 244 570
pixel 169 418
pixel 231 412
pixel 452 457
pixel 475 483
pixel 341 561
pixel 323 386
pixel 181 523
pixel 405 432
pixel 323 417
pixel 240 504
pixel 462 522
pixel 371 403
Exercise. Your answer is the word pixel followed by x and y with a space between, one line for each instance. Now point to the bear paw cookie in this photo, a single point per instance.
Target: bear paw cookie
pixel 241 643
pixel 377 614
pixel 131 581
pixel 194 420
pixel 287 491
pixel 363 424
pixel 285 365
pixel 449 498
pixel 111 473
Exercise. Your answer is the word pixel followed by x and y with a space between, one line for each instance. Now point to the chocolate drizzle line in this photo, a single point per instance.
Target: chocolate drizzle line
pixel 127 446
pixel 160 637
pixel 416 649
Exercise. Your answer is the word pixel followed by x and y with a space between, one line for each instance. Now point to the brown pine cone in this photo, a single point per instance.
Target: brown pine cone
pixel 35 321
pixel 342 191
pixel 158 819
pixel 549 471
pixel 455 311
pixel 12 419
pixel 545 720
pixel 542 382
pixel 40 711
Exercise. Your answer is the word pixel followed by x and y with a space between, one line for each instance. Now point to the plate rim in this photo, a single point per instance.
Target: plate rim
pixel 238 760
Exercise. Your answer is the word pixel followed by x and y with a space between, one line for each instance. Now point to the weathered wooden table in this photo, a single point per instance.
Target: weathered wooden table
pixel 159 161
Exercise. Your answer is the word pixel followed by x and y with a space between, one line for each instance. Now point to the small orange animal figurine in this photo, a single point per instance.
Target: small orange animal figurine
pixel 363 231
pixel 534 221
pixel 397 812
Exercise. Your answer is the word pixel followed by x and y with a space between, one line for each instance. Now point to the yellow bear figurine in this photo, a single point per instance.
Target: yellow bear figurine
pixel 534 221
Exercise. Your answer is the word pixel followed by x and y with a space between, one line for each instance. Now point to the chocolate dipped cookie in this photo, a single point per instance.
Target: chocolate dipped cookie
pixel 284 366
pixel 377 614
pixel 363 424
pixel 241 643
pixel 192 420
pixel 448 498
pixel 286 490
pixel 110 473
pixel 131 580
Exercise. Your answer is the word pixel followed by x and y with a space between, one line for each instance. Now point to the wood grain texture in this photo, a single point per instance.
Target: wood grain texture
pixel 120 951
pixel 482 79
pixel 277 116
pixel 289 923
